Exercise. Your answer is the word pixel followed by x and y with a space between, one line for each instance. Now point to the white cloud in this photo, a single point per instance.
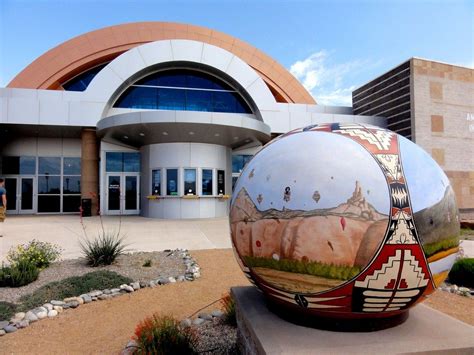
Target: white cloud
pixel 327 82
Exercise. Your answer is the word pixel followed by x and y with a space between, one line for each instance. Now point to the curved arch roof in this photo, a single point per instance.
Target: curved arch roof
pixel 81 53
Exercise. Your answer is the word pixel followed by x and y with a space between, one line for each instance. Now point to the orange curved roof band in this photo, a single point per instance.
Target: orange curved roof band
pixel 85 51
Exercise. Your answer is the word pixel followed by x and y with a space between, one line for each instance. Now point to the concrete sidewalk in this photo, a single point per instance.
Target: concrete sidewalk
pixel 142 234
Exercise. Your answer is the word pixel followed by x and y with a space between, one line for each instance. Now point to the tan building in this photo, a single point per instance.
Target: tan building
pixel 431 103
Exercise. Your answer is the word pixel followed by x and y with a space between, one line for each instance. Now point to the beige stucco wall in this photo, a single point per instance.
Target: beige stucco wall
pixel 443 97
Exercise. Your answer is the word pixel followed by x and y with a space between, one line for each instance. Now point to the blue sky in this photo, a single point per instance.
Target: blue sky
pixel 331 46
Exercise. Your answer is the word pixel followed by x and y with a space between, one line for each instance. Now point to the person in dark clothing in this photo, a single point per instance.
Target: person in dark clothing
pixel 3 202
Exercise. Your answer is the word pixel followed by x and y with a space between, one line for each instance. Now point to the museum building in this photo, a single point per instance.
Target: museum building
pixel 154 119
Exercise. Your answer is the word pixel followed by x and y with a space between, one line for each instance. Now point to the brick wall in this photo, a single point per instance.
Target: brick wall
pixel 443 111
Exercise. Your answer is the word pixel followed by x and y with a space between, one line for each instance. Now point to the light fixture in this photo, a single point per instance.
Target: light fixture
pixel 236 138
pixel 141 134
pixel 191 133
pixel 125 137
pixel 247 140
pixel 164 133
pixel 216 134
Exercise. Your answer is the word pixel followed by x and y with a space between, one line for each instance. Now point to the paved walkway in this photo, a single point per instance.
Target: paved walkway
pixel 142 234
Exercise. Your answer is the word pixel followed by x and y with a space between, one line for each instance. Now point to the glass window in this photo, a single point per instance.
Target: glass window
pixel 49 184
pixel 72 184
pixel 234 181
pixel 190 181
pixel 82 81
pixel 113 161
pixel 172 99
pixel 156 182
pixel 27 165
pixel 220 182
pixel 239 162
pixel 172 182
pixel 71 203
pixel 183 89
pixel 49 165
pixel 72 166
pixel 49 203
pixel 131 162
pixel 11 165
pixel 207 182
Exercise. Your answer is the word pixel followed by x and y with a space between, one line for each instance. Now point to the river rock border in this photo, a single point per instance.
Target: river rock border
pixel 52 308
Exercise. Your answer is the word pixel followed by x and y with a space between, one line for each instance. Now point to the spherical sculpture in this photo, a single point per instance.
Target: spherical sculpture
pixel 344 221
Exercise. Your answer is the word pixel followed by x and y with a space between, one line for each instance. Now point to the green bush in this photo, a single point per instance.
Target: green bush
pixel 462 272
pixel 42 254
pixel 104 249
pixel 163 335
pixel 73 286
pixel 228 303
pixel 330 271
pixel 19 274
pixel 7 310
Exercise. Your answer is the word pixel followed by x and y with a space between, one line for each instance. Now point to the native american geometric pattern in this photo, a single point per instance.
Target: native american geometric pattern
pixel 398 275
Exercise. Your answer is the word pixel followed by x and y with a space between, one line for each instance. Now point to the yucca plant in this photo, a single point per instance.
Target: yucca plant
pixel 163 335
pixel 104 249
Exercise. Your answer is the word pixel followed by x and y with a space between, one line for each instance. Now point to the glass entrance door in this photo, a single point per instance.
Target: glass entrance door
pixel 11 185
pixel 26 195
pixel 123 192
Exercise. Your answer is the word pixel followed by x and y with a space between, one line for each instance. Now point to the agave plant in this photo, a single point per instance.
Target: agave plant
pixel 104 249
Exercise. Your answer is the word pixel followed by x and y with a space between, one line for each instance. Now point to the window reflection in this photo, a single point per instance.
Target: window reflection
pixel 207 182
pixel 49 165
pixel 156 182
pixel 172 182
pixel 190 181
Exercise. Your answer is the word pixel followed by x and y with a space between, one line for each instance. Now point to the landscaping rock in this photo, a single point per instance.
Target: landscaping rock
pixel 73 304
pixel 180 278
pixel 70 300
pixel 52 313
pixel 185 323
pixel 217 313
pixel 48 306
pixel 127 288
pixel 171 279
pixel 58 309
pixel 205 316
pixel 94 298
pixel 198 321
pixel 42 314
pixel 152 284
pixel 86 297
pixel 163 281
pixel 3 324
pixel 130 348
pixel 143 284
pixel 20 315
pixel 115 290
pixel 31 317
pixel 104 297
pixel 57 303
pixel 95 293
pixel 2 332
pixel 197 275
pixel 106 292
pixel 39 309
pixel 135 285
pixel 10 329
pixel 23 324
pixel 116 294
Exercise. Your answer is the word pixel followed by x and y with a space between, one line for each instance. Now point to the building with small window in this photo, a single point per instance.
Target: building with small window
pixel 153 119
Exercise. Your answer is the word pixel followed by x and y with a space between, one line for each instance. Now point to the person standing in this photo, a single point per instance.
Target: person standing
pixel 3 202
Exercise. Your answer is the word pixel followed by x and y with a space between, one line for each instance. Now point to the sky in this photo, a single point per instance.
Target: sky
pixel 332 47
pixel 313 161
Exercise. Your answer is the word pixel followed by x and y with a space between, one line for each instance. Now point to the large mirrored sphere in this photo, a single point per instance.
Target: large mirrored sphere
pixel 344 220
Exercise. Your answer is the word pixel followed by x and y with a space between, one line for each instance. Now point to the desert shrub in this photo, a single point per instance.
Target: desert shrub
pixel 331 271
pixel 163 335
pixel 228 304
pixel 462 272
pixel 73 286
pixel 104 249
pixel 147 263
pixel 42 254
pixel 19 274
pixel 7 310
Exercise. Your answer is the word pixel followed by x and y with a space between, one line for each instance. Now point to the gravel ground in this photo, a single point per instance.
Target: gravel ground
pixel 217 338
pixel 105 327
pixel 129 265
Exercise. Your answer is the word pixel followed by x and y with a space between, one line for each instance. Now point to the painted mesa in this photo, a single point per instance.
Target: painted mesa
pixel 345 221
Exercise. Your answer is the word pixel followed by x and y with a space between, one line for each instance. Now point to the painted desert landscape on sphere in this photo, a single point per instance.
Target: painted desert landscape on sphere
pixel 325 241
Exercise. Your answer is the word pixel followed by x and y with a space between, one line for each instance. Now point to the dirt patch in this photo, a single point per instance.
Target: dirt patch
pixel 105 327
